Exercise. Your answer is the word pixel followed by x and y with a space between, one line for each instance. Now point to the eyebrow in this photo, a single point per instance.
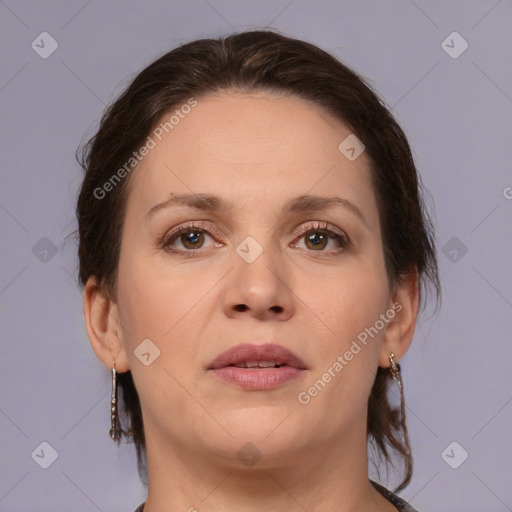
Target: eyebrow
pixel 305 203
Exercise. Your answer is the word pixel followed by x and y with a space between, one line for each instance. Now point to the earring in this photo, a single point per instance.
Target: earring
pixel 115 430
pixel 395 371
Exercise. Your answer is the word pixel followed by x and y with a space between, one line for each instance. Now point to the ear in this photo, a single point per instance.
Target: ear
pixel 103 327
pixel 400 330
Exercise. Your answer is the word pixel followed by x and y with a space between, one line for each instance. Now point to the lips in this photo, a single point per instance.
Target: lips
pixel 254 356
pixel 252 367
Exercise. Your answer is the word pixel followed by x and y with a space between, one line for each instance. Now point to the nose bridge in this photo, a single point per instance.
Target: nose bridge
pixel 259 282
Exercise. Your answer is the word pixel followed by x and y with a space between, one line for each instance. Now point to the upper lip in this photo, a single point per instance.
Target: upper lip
pixel 247 352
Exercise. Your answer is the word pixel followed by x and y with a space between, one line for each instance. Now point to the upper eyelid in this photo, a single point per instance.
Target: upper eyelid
pixel 204 225
pixel 201 225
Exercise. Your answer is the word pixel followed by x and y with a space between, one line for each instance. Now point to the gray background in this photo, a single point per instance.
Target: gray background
pixel 456 113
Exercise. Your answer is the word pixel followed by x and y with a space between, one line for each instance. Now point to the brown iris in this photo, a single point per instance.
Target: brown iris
pixel 317 238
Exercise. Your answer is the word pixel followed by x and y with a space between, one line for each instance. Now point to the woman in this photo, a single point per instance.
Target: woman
pixel 254 251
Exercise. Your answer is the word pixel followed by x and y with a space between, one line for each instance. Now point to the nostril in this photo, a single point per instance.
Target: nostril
pixel 243 307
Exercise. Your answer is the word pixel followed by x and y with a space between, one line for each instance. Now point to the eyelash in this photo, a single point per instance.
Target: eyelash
pixel 316 227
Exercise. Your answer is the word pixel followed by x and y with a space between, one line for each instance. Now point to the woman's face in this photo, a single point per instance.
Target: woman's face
pixel 253 272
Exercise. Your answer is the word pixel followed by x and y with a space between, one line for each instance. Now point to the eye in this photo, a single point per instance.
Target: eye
pixel 318 236
pixel 191 236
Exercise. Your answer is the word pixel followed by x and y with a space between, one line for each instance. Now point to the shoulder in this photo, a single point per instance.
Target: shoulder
pixel 398 502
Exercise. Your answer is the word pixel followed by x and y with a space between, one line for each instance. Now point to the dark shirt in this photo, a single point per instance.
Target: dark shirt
pixel 398 502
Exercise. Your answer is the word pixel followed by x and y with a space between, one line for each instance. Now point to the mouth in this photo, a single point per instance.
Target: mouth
pixel 253 365
pixel 257 367
pixel 252 356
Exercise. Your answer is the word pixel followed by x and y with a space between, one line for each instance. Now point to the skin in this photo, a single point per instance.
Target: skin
pixel 256 150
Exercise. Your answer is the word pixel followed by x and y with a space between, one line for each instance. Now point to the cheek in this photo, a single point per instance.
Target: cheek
pixel 350 309
pixel 164 305
pixel 349 299
pixel 147 309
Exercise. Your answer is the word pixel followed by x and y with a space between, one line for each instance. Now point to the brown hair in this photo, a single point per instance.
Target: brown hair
pixel 247 62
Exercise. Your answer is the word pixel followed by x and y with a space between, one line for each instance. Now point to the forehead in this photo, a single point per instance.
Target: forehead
pixel 248 146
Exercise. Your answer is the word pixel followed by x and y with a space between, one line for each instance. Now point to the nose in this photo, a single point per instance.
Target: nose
pixel 259 288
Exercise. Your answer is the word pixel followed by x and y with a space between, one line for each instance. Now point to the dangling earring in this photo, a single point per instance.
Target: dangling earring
pixel 115 429
pixel 395 371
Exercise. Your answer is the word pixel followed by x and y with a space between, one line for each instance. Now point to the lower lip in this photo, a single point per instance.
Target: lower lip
pixel 258 379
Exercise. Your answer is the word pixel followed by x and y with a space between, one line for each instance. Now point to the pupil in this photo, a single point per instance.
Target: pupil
pixel 316 239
